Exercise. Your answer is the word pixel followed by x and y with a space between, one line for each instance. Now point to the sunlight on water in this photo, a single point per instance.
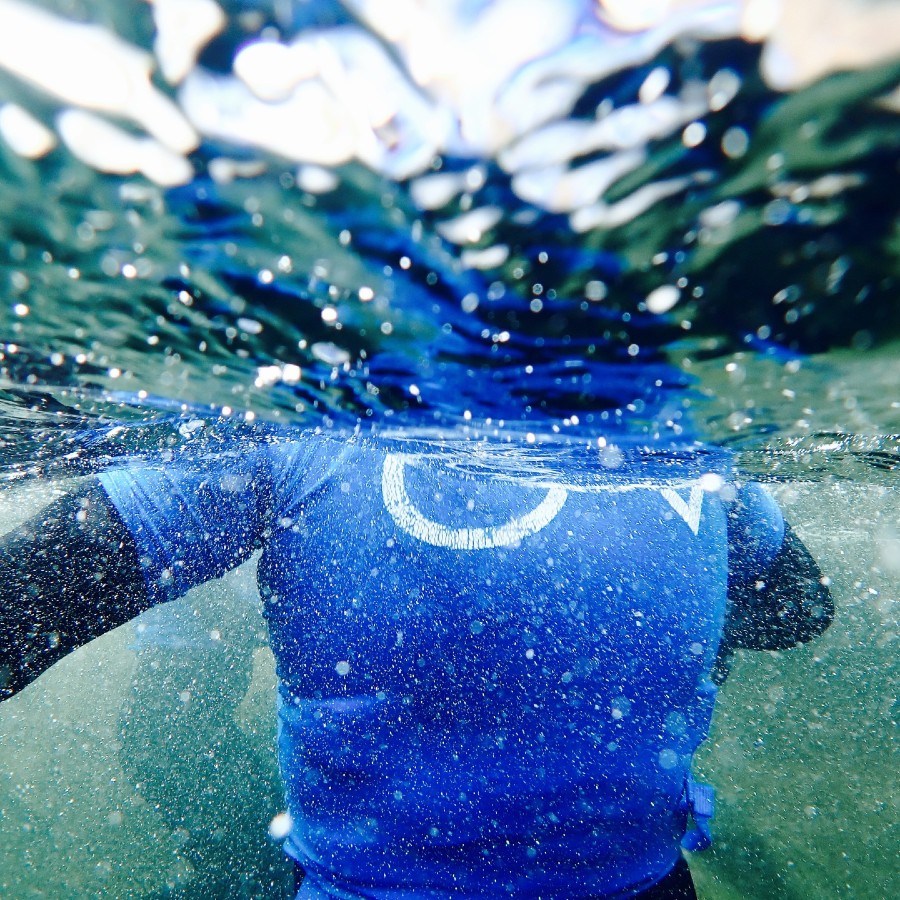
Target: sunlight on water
pixel 524 237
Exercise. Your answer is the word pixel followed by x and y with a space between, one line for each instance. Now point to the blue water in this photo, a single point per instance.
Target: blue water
pixel 138 318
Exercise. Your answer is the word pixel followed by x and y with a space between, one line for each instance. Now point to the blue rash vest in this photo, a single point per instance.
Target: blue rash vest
pixel 487 684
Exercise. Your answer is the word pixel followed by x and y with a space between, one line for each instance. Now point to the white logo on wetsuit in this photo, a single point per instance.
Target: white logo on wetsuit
pixel 408 518
pixel 689 511
pixel 411 520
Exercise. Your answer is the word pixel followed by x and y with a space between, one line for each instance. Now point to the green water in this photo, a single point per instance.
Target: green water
pixel 153 773
pixel 195 732
pixel 133 771
pixel 802 751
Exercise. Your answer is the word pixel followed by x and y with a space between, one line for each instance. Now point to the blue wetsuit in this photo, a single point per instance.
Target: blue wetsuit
pixel 486 685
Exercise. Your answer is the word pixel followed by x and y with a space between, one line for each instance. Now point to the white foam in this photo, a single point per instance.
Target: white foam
pixel 559 189
pixel 470 227
pixel 306 127
pixel 316 179
pixel 25 135
pixel 272 70
pixel 488 258
pixel 494 80
pixel 111 149
pixel 634 15
pixel 183 28
pixel 603 215
pixel 87 66
pixel 662 299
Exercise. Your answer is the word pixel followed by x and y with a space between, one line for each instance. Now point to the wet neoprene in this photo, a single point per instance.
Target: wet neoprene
pixel 67 576
pixel 790 605
pixel 71 574
pixel 438 637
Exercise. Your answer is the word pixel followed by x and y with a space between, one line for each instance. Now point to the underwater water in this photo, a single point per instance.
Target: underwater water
pixel 548 224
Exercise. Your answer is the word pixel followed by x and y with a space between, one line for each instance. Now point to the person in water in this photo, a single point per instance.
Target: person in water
pixel 487 684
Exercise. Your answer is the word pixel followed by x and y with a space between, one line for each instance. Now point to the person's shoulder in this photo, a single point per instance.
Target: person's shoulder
pixel 754 503
pixel 756 526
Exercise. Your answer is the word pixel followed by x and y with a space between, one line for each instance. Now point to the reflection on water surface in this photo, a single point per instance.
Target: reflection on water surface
pixel 546 225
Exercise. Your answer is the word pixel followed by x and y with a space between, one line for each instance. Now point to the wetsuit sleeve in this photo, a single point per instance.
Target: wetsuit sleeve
pixel 136 536
pixel 192 520
pixel 777 594
pixel 67 576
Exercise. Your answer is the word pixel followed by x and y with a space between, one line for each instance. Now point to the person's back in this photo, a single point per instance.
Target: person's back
pixel 489 682
pixel 501 689
pixel 493 671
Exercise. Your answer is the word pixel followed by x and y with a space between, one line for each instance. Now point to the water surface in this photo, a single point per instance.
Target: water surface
pixel 676 248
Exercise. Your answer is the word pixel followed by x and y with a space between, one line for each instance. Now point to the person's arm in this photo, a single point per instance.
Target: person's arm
pixel 67 576
pixel 788 603
pixel 136 536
